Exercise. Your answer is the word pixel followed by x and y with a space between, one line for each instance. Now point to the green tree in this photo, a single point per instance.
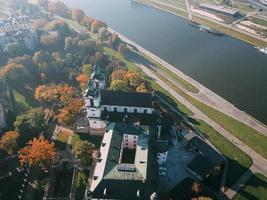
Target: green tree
pixel 83 152
pixel 30 123
pixel 119 85
pixel 9 142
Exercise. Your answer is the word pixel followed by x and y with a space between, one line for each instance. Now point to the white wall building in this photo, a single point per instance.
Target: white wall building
pixel 98 101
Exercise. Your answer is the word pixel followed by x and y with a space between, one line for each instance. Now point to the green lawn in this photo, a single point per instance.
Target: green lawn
pixel 61 141
pixel 117 55
pixel 238 161
pixel 21 102
pixel 96 140
pixel 259 21
pixel 255 188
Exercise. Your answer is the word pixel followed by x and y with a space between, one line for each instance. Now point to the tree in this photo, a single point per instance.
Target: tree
pixel 196 187
pixel 58 8
pixel 122 49
pixel 9 142
pixel 52 92
pixel 50 39
pixel 39 152
pixel 97 24
pixel 119 85
pixel 77 14
pixel 87 21
pixel 83 80
pixel 31 122
pixel 67 114
pixel 141 88
pixel 118 74
pixel 83 152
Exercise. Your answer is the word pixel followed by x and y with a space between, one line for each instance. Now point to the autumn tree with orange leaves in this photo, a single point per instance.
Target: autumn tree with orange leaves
pixel 128 80
pixel 83 80
pixel 67 114
pixel 39 152
pixel 52 92
pixel 9 142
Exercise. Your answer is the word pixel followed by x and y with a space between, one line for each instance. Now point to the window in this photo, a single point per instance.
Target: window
pixel 115 109
pixel 125 109
pixel 145 110
pixel 126 140
pixel 126 144
pixel 126 136
pixel 135 110
pixel 134 137
pixel 134 145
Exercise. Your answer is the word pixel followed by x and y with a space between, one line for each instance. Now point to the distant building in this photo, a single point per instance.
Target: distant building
pixel 17 30
pixel 126 166
pixel 219 8
pixel 99 102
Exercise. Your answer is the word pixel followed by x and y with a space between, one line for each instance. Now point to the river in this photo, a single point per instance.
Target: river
pixel 231 68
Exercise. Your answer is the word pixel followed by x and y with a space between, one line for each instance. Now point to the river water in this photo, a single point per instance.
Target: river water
pixel 231 68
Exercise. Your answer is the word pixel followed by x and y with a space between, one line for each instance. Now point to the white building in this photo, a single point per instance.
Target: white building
pixel 99 101
pixel 17 30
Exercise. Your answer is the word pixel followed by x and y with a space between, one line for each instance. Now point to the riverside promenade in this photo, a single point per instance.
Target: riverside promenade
pixel 204 95
pixel 259 163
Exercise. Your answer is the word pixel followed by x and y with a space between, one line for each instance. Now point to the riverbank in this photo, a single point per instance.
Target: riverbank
pixel 231 31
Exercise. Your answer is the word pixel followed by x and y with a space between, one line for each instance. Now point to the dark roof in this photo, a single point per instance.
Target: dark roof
pixel 144 119
pixel 131 99
pixel 201 166
pixel 125 184
pixel 207 150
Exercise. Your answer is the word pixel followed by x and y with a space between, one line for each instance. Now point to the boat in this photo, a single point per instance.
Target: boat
pixel 205 28
pixel 262 49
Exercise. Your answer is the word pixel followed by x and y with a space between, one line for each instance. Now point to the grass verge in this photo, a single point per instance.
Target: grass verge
pixel 248 135
pixel 255 188
pixel 238 161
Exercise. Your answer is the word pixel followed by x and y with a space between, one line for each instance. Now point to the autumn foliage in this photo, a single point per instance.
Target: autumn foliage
pixel 38 152
pixel 83 80
pixel 66 114
pixel 9 142
pixel 53 92
pixel 124 80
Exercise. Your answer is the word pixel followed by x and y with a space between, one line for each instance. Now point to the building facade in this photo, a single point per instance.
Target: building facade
pixel 99 102
pixel 17 30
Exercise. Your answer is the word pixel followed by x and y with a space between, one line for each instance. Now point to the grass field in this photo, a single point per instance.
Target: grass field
pixel 96 140
pixel 238 161
pixel 255 188
pixel 61 141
